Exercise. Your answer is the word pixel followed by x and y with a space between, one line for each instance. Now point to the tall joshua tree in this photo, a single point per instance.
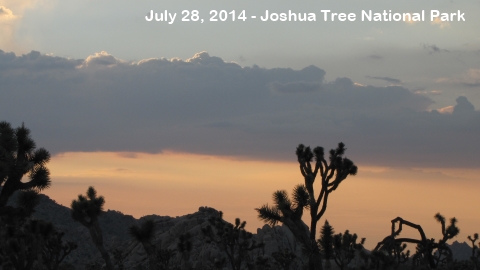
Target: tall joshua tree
pixel 313 165
pixel 144 235
pixel 19 157
pixel 86 210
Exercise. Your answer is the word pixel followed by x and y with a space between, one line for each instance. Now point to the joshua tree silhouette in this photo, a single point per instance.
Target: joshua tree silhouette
pixel 86 210
pixel 344 246
pixel 475 253
pixel 234 240
pixel 428 251
pixel 326 244
pixel 25 243
pixel 144 234
pixel 19 157
pixel 290 213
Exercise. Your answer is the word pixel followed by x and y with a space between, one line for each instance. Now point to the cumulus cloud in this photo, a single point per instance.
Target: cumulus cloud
pixel 102 59
pixel 463 106
pixel 209 106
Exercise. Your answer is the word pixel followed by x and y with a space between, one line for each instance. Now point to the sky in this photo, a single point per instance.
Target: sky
pixel 164 117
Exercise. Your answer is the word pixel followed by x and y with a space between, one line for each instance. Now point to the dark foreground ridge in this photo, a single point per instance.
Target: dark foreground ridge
pixel 168 231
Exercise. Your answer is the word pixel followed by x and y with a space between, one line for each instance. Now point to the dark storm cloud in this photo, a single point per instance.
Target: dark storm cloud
pixel 387 79
pixel 205 105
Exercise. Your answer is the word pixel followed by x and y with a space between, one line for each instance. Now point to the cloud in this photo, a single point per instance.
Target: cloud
pixel 387 79
pixel 470 78
pixel 433 49
pixel 425 92
pixel 463 106
pixel 438 22
pixel 446 110
pixel 294 87
pixel 7 27
pixel 6 14
pixel 208 106
pixel 12 13
pixel 127 155
pixel 101 59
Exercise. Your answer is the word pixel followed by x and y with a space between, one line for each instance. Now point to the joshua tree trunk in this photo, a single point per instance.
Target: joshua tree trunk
pixel 150 250
pixel 97 237
pixel 300 231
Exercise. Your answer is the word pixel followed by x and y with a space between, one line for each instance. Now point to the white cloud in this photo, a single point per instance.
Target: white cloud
pixel 7 27
pixel 438 22
pixel 446 110
pixel 101 59
pixel 11 15
pixel 6 14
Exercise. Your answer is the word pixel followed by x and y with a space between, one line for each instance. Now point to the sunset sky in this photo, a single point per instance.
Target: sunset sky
pixel 163 118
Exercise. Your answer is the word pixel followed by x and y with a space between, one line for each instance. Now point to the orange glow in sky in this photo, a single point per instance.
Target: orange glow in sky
pixel 176 184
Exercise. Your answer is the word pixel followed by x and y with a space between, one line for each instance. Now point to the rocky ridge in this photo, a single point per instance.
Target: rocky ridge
pixel 115 226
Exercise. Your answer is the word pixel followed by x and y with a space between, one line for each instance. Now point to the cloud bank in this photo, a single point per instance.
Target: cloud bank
pixel 209 106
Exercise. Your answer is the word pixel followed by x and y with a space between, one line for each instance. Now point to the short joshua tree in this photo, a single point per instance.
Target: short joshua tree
pixel 145 234
pixel 86 210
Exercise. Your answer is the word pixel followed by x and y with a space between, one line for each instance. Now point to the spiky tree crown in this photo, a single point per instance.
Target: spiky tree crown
pixel 87 208
pixel 144 232
pixel 19 157
pixel 284 207
pixel 448 232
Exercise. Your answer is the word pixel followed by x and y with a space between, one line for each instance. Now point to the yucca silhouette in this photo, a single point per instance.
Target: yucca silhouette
pixel 145 234
pixel 86 210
